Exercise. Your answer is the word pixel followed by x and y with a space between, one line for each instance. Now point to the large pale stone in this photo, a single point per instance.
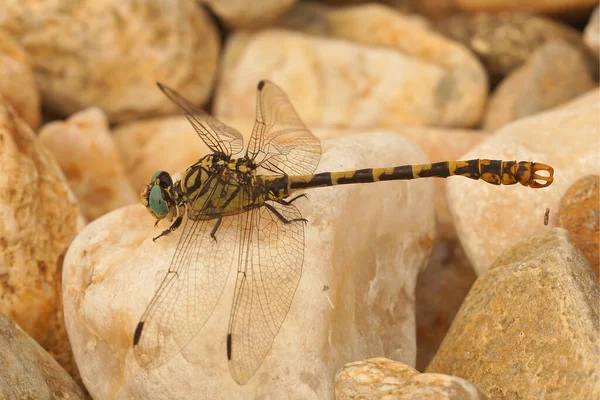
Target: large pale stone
pixel 529 327
pixel 380 378
pixel 28 371
pixel 39 218
pixel 90 160
pixel 555 73
pixel 490 218
pixel 364 242
pixel 463 93
pixel 244 14
pixel 337 83
pixel 17 85
pixel 109 53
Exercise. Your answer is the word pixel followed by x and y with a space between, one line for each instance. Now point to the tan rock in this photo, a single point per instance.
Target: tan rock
pixel 354 246
pixel 380 378
pixel 529 326
pixel 109 53
pixel 591 36
pixel 490 218
pixel 28 371
pixel 578 213
pixel 555 73
pixel 17 84
pixel 544 6
pixel 504 41
pixel 335 83
pixel 242 14
pixel 90 160
pixel 40 217
pixel 167 143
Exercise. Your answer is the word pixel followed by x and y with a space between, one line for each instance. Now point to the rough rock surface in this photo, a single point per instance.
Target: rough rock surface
pixel 465 84
pixel 338 83
pixel 39 219
pixel 488 218
pixel 380 378
pixel 109 53
pixel 529 327
pixel 355 298
pixel 579 213
pixel 555 73
pixel 28 371
pixel 90 160
pixel 504 41
pixel 17 84
pixel 591 36
pixel 244 14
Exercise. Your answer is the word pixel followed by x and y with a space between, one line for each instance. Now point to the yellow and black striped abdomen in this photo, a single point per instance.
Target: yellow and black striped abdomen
pixel 496 172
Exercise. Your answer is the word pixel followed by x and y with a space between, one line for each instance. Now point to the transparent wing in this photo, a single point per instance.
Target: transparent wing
pixel 190 291
pixel 280 141
pixel 217 136
pixel 268 274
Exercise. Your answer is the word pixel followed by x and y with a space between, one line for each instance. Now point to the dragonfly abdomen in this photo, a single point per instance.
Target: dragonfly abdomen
pixel 496 172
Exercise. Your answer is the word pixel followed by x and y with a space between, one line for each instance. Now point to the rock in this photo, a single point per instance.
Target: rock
pixel 335 83
pixel 354 300
pixel 40 217
pixel 380 378
pixel 541 6
pixel 490 219
pixel 17 85
pixel 90 160
pixel 591 36
pixel 529 326
pixel 540 84
pixel 578 213
pixel 28 371
pixel 241 14
pixel 167 143
pixel 109 53
pixel 504 41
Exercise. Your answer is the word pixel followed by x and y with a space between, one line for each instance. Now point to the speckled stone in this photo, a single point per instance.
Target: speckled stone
pixel 504 41
pixel 380 378
pixel 529 327
pixel 28 371
pixel 39 219
pixel 109 53
pixel 542 6
pixel 579 213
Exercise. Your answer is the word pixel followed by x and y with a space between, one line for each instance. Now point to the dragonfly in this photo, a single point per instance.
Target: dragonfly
pixel 251 196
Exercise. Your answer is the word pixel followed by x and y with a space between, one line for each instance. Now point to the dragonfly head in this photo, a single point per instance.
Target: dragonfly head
pixel 156 197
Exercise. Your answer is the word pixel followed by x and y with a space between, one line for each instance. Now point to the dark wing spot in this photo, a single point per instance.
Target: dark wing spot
pixel 261 84
pixel 229 344
pixel 138 333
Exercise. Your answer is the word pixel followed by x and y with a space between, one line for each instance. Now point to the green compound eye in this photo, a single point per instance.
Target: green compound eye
pixel 155 176
pixel 157 201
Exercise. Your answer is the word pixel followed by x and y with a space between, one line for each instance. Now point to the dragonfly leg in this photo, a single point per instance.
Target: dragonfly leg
pixel 281 217
pixel 288 202
pixel 174 226
pixel 216 228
